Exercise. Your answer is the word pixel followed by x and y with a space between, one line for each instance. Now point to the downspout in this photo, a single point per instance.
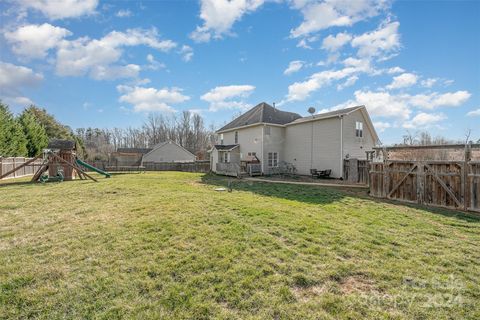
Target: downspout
pixel 341 146
pixel 311 147
pixel 263 155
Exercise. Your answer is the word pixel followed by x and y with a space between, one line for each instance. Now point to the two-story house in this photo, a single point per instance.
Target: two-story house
pixel 268 137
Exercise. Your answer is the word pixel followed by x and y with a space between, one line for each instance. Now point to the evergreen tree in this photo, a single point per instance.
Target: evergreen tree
pixel 35 133
pixel 12 139
pixel 53 128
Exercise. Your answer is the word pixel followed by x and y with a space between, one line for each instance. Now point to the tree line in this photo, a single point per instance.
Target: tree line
pixel 188 130
pixel 28 133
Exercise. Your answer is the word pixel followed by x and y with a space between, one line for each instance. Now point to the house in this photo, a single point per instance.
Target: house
pixel 274 137
pixel 168 151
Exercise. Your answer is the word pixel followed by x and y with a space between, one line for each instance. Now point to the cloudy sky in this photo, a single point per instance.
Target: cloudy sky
pixel 414 64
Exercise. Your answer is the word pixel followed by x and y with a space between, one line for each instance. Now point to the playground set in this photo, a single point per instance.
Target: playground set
pixel 60 163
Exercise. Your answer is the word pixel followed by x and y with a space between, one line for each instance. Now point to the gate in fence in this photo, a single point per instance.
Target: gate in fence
pixel 453 184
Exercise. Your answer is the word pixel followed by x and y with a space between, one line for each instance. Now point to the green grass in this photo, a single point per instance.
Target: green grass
pixel 166 245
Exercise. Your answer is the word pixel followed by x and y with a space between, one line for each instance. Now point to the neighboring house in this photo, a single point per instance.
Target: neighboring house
pixel 272 137
pixel 168 151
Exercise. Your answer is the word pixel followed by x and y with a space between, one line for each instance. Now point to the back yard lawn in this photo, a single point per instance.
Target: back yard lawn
pixel 165 245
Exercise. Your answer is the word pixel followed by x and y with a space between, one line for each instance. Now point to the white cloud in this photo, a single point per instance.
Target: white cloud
pixel 474 113
pixel 93 56
pixel 12 79
pixel 18 101
pixel 187 53
pixel 154 64
pixel 333 43
pixel 151 99
pixel 299 91
pixel 219 16
pixel 383 104
pixel 228 97
pixel 381 126
pixel 395 70
pixel 436 100
pixel 424 120
pixel 55 9
pixel 348 83
pixel 294 66
pixel 124 13
pixel 115 72
pixel 428 83
pixel 378 42
pixel 403 80
pixel 400 106
pixel 33 41
pixel 320 15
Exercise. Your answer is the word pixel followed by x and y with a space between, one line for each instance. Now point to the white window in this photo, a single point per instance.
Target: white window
pixel 273 159
pixel 252 154
pixel 267 131
pixel 226 157
pixel 359 129
pixel 221 138
pixel 236 137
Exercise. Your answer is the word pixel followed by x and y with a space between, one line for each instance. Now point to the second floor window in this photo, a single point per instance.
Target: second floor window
pixel 359 129
pixel 221 138
pixel 236 137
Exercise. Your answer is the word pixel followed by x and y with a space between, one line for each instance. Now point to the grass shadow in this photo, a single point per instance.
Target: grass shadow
pixel 323 194
pixel 313 194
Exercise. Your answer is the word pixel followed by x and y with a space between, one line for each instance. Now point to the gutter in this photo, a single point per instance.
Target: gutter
pixel 341 146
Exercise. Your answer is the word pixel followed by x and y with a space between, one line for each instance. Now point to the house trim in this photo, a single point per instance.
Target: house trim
pixel 251 125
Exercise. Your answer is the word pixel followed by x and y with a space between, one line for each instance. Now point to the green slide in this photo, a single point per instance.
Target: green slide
pixel 86 165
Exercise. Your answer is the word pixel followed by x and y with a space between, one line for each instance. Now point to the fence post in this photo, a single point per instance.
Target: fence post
pixel 465 170
pixel 420 182
pixel 14 167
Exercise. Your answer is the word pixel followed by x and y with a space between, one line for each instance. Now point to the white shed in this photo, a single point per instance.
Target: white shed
pixel 168 151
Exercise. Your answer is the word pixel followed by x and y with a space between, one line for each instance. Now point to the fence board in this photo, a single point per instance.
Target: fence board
pixel 10 163
pixel 449 184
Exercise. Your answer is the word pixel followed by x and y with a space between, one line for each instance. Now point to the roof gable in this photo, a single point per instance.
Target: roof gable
pixel 261 113
pixel 162 144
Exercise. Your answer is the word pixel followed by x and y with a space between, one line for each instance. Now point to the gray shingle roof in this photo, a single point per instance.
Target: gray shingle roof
pixel 262 113
pixel 61 144
pixel 325 115
pixel 134 150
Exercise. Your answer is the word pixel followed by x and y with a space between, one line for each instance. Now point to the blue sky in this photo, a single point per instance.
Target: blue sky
pixel 414 64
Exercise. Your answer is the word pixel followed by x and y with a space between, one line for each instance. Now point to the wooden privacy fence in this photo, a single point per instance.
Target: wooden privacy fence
pixel 197 166
pixel 11 163
pixel 442 183
pixel 356 171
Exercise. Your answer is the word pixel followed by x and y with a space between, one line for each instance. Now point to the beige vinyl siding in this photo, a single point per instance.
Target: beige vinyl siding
pixel 169 152
pixel 249 139
pixel 354 146
pixel 273 142
pixel 326 146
